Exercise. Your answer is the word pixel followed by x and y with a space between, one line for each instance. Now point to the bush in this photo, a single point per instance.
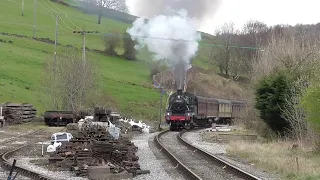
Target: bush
pixel 128 46
pixel 111 43
pixel 270 99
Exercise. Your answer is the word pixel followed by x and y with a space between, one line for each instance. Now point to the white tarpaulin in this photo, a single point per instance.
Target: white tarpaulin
pixel 114 131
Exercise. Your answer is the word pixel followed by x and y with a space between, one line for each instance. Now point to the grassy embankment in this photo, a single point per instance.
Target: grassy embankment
pixel 22 62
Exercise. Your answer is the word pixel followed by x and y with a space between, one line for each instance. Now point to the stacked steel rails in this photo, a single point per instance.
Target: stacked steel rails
pixel 6 163
pixel 196 163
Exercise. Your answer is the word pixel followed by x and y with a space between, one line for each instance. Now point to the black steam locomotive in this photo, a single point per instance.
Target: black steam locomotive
pixel 188 110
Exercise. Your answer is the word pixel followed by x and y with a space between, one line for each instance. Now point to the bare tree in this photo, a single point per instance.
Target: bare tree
pixel 225 35
pixel 130 52
pixel 254 34
pixel 68 81
pixel 301 129
pixel 294 113
pixel 291 52
pixel 119 5
pixel 296 52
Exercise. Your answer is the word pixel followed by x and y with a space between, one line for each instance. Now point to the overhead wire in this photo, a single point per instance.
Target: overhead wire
pixel 11 1
pixel 57 13
pixel 64 14
pixel 121 36
pixel 182 40
pixel 53 17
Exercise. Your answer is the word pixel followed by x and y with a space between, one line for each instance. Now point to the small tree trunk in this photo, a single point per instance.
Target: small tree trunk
pixel 99 18
pixel 227 72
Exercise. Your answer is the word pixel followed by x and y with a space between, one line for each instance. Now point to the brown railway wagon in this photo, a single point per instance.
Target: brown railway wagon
pixel 202 107
pixel 207 107
pixel 237 107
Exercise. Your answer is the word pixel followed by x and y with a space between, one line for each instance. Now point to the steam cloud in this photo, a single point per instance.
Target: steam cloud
pixel 159 32
pixel 198 9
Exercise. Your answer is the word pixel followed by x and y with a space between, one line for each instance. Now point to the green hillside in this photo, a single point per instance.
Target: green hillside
pixel 124 83
pixel 70 20
pixel 22 62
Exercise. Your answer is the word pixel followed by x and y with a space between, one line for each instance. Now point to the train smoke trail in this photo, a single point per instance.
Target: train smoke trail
pixel 161 31
pixel 201 10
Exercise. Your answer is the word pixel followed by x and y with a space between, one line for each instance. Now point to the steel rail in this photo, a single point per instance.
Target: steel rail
pixel 4 161
pixel 186 171
pixel 24 171
pixel 231 168
pixel 189 173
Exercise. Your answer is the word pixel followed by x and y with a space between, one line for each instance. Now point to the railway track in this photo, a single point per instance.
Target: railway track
pixel 196 163
pixel 7 164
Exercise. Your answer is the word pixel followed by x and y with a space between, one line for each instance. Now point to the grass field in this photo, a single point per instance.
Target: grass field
pixel 13 22
pixel 21 70
pixel 22 62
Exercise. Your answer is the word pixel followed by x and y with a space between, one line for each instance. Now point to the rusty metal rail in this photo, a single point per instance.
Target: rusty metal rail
pixel 4 161
pixel 186 171
pixel 229 167
pixel 24 171
pixel 210 157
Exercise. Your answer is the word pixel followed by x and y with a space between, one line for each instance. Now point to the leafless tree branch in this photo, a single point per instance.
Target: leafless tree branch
pixel 69 81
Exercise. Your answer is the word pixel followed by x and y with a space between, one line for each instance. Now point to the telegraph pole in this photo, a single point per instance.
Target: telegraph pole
pixel 83 32
pixel 56 38
pixel 22 8
pixel 35 18
pixel 84 47
pixel 158 85
pixel 161 94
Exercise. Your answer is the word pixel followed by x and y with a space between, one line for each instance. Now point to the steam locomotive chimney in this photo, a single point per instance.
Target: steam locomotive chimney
pixel 179 91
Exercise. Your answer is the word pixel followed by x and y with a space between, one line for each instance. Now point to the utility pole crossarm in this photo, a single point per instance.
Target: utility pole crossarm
pixel 83 32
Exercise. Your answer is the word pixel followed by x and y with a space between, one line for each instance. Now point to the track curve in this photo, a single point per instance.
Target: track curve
pixel 197 163
pixel 5 162
pixel 188 172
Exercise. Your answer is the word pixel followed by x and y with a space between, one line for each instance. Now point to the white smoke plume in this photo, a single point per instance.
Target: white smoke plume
pixel 200 10
pixel 172 38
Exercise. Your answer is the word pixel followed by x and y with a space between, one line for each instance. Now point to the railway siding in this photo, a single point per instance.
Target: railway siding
pixel 10 148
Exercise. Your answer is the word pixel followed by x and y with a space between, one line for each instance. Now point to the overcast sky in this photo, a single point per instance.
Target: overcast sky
pixel 268 11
